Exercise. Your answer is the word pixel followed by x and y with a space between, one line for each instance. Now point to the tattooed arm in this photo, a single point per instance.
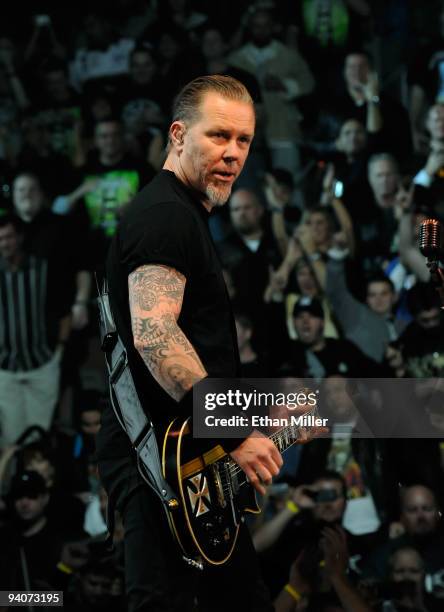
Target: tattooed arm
pixel 155 297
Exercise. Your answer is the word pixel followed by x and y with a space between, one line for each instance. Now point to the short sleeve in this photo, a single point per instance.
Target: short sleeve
pixel 166 233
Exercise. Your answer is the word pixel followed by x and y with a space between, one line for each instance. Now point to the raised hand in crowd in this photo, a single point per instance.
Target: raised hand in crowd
pixel 333 544
pixel 404 198
pixel 277 195
pixel 328 182
pixel 370 89
pixel 277 282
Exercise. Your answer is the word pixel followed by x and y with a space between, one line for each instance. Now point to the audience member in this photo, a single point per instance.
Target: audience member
pixel 31 545
pixel 253 365
pixel 283 76
pixel 316 356
pixel 64 511
pixel 115 177
pixel 36 325
pixel 297 531
pixel 51 237
pixel 59 107
pixel 422 343
pixel 430 177
pixel 361 92
pixel 247 252
pixel 406 587
pixel 425 81
pixel 371 326
pixel 419 527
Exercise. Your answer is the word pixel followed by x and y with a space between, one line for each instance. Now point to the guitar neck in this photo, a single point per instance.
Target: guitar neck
pixel 289 435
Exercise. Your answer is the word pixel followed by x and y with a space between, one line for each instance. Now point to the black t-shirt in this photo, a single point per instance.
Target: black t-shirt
pixel 166 224
pixel 42 552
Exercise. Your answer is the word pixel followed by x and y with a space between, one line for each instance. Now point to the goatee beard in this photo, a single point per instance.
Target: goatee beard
pixel 217 197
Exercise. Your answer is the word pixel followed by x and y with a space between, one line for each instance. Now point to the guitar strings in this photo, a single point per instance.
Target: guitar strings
pixel 287 435
pixel 234 469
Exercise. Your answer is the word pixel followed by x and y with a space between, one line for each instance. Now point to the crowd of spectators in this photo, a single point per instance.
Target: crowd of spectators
pixel 319 245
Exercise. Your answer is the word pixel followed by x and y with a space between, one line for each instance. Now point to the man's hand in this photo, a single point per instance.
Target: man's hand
pixel 333 543
pixel 278 196
pixel 301 498
pixel 404 199
pixel 339 240
pixel 259 458
pixel 277 281
pixel 75 554
pixel 370 89
pixel 80 315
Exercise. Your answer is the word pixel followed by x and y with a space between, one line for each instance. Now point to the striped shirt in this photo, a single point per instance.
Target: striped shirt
pixel 30 312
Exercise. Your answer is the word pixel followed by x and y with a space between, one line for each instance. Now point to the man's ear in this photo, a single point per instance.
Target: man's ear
pixel 177 133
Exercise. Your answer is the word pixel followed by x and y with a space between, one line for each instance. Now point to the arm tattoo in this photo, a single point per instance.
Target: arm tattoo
pixel 150 284
pixel 155 296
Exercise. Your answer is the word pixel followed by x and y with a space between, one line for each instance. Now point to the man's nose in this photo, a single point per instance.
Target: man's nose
pixel 232 151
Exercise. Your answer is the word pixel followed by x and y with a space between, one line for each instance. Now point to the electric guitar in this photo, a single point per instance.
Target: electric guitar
pixel 213 493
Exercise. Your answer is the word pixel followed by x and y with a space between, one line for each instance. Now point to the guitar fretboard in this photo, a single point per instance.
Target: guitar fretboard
pixel 284 437
pixel 288 435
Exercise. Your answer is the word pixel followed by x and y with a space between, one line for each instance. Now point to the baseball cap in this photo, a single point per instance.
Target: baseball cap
pixel 310 305
pixel 27 484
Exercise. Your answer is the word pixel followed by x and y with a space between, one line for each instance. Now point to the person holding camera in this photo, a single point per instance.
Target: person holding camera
pixel 336 590
pixel 308 511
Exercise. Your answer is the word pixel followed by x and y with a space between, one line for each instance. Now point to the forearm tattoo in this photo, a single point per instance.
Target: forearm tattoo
pixel 155 297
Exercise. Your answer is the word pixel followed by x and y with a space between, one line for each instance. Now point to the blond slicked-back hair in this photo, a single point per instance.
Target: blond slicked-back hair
pixel 187 104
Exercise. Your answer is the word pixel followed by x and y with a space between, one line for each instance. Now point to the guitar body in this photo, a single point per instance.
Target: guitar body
pixel 211 499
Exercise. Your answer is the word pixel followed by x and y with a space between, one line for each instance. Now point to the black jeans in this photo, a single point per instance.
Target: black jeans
pixel 157 579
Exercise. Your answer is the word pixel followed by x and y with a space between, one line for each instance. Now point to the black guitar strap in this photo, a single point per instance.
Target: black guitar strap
pixel 127 407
